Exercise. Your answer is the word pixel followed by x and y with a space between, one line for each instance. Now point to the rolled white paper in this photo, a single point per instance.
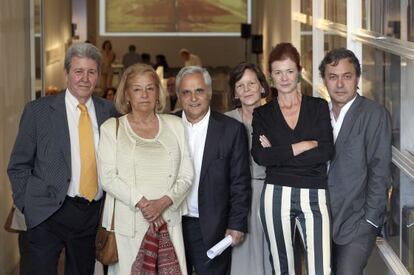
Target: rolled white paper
pixel 219 247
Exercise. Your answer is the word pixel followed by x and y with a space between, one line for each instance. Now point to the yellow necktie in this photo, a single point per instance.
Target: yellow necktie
pixel 88 186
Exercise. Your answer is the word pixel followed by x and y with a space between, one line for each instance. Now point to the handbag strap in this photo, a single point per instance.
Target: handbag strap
pixel 103 203
pixel 113 210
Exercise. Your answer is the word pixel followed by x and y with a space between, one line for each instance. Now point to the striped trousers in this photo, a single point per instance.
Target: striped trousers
pixel 283 208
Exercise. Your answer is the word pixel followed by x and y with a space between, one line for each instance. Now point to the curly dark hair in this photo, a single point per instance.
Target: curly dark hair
pixel 334 56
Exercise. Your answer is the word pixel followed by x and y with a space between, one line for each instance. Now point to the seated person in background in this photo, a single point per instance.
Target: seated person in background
pixel 190 59
pixel 145 167
pixel 131 57
pixel 109 93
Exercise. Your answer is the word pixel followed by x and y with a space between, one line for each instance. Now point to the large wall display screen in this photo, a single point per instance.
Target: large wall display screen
pixel 173 17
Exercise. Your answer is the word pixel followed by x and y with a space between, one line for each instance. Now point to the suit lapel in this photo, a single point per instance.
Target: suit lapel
pixel 60 125
pixel 99 111
pixel 210 147
pixel 347 124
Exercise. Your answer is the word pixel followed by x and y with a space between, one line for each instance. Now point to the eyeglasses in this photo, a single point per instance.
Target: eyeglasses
pixel 242 87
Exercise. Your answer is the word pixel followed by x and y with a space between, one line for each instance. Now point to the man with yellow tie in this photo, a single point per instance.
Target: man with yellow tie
pixel 52 168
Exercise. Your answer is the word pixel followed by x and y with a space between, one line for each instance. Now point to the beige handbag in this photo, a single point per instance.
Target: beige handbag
pixel 106 250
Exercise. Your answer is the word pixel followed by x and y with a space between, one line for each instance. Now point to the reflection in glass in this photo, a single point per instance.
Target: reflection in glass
pixel 407 220
pixel 383 16
pixel 381 80
pixel 392 222
pixel 335 11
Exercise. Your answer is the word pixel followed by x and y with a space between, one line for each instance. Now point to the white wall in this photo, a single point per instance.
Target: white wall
pixel 272 18
pixel 14 93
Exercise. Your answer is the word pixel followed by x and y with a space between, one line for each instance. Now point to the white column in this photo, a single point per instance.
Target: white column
pixel 353 23
pixel 317 44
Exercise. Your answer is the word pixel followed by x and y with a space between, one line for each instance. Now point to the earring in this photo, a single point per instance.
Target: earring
pixel 262 90
pixel 299 77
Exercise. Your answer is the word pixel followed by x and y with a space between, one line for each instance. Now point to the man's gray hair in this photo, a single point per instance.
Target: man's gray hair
pixel 193 70
pixel 82 50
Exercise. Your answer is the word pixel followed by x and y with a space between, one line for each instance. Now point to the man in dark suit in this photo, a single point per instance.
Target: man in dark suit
pixel 359 173
pixel 218 203
pixel 52 168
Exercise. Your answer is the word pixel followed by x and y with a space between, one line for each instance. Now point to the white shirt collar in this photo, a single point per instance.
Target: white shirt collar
pixel 72 102
pixel 337 123
pixel 202 123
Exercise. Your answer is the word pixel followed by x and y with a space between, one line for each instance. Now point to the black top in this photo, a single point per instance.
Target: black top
pixel 306 170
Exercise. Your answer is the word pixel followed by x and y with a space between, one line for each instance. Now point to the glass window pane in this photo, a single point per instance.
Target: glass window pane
pixel 407 221
pixel 383 16
pixel 407 107
pixel 410 18
pixel 306 7
pixel 381 81
pixel 400 217
pixel 335 11
pixel 393 221
pixel 333 41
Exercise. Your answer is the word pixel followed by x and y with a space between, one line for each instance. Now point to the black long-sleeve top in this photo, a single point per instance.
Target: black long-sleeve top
pixel 306 170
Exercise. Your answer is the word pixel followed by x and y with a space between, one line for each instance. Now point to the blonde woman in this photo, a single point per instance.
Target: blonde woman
pixel 145 168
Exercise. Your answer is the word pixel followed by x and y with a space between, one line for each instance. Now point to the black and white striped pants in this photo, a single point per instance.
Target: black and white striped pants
pixel 281 209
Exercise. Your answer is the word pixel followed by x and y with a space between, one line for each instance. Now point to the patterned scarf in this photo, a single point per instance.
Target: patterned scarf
pixel 156 254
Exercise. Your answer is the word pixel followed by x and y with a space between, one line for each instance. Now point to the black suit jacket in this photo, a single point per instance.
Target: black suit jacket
pixel 40 163
pixel 224 192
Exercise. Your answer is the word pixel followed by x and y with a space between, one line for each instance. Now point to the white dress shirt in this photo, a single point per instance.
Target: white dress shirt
pixel 337 124
pixel 73 114
pixel 196 137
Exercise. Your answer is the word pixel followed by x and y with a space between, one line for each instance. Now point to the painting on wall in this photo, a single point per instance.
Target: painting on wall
pixel 173 17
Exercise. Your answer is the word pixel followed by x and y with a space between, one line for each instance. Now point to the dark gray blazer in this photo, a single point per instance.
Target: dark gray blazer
pixel 359 174
pixel 224 192
pixel 40 163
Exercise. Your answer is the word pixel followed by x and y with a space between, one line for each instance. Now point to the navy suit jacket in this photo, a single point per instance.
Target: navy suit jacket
pixel 40 163
pixel 224 192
